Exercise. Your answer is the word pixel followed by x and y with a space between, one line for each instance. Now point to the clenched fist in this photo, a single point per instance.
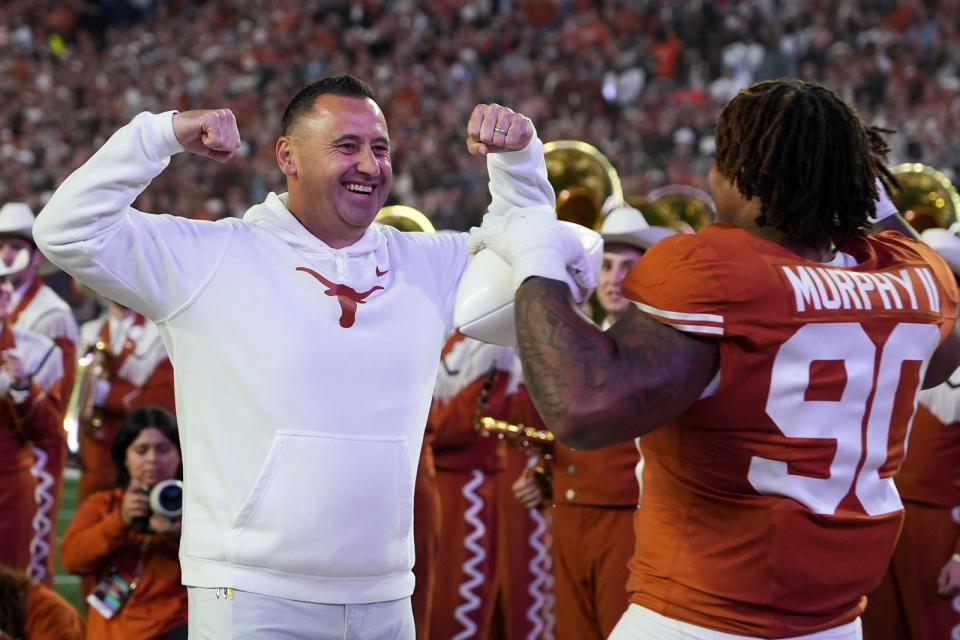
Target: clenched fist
pixel 208 132
pixel 494 129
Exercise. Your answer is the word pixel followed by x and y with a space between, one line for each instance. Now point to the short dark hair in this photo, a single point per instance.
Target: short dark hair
pixel 345 85
pixel 133 425
pixel 805 154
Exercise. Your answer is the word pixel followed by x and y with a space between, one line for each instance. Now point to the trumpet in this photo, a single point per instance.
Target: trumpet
pixel 521 436
pixel 80 414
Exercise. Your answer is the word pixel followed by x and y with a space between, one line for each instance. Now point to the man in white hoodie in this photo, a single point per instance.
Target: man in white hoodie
pixel 305 344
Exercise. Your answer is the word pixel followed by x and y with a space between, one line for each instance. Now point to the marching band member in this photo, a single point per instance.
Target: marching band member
pixel 31 438
pixel 136 373
pixel 35 307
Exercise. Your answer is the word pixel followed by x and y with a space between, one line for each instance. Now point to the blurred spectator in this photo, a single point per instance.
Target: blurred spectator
pixel 31 611
pixel 73 72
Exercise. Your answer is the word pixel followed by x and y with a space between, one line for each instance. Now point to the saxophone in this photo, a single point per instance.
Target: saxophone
pixel 538 442
pixel 523 437
pixel 81 415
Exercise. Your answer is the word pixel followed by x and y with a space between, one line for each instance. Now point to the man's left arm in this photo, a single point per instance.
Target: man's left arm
pixel 596 388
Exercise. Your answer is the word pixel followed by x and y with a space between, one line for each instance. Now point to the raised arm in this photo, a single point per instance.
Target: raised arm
pixel 595 388
pixel 515 161
pixel 150 263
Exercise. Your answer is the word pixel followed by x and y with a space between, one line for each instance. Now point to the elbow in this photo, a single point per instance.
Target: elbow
pixel 43 231
pixel 70 561
pixel 76 561
pixel 580 431
pixel 595 422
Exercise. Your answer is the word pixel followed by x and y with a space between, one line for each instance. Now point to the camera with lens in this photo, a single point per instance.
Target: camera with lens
pixel 166 499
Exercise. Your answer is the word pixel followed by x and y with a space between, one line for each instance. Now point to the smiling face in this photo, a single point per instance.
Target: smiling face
pixel 337 163
pixel 618 259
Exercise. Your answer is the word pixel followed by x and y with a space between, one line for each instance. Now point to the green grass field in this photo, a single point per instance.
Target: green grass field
pixel 66 584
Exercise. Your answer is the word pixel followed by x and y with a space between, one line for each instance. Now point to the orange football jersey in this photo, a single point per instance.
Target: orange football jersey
pixel 769 507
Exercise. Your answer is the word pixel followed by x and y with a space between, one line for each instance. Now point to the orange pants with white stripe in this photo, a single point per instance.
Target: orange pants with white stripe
pixel 463 595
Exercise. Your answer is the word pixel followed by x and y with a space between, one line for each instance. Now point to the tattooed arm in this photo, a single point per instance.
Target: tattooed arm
pixel 595 388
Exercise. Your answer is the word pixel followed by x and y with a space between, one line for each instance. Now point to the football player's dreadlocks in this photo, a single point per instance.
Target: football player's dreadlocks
pixel 806 155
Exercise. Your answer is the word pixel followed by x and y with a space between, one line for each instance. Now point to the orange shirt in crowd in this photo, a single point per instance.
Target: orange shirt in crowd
pixel 97 542
pixel 50 617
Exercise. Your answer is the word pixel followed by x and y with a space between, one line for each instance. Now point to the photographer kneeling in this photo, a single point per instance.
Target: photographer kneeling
pixel 124 550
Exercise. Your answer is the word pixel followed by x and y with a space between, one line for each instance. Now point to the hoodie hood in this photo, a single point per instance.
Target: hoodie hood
pixel 273 213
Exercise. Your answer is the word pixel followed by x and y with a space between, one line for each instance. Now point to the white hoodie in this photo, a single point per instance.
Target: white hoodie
pixel 300 430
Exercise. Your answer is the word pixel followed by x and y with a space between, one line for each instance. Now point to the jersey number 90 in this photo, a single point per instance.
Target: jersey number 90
pixel 872 383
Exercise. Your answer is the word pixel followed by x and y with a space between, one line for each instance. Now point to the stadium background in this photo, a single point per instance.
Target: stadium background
pixel 641 80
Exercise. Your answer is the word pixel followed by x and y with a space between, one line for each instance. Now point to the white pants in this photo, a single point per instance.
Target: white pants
pixel 639 623
pixel 213 615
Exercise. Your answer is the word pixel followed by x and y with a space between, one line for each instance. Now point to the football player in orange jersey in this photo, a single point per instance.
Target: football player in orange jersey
pixel 772 365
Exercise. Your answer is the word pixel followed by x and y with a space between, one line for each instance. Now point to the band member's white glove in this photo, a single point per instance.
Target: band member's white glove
pixel 534 243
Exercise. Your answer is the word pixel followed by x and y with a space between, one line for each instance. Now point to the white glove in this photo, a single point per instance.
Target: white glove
pixel 534 243
pixel 100 392
pixel 885 206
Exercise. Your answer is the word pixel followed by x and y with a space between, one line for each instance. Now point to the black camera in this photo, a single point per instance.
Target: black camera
pixel 166 499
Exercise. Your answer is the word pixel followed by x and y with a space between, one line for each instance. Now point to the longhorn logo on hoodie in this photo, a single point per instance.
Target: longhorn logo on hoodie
pixel 348 297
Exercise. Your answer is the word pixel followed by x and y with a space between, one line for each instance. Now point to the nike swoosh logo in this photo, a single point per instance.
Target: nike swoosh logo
pixel 382 273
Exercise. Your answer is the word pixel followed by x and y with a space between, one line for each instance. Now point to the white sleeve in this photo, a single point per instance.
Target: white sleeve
pixel 50 370
pixel 57 323
pixel 943 401
pixel 447 254
pixel 519 179
pixel 154 264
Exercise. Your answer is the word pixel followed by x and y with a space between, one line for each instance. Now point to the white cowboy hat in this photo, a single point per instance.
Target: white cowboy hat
pixel 626 225
pixel 16 219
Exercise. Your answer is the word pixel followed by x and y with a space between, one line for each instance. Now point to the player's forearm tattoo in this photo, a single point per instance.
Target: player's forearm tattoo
pixel 557 348
pixel 611 385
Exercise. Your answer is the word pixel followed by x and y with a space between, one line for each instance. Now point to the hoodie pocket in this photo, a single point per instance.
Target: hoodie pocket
pixel 328 505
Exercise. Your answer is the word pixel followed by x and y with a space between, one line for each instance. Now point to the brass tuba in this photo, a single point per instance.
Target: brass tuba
pixel 926 198
pixel 404 218
pixel 81 415
pixel 583 179
pixel 677 206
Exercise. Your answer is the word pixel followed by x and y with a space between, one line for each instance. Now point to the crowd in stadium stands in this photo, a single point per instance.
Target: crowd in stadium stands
pixel 640 79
